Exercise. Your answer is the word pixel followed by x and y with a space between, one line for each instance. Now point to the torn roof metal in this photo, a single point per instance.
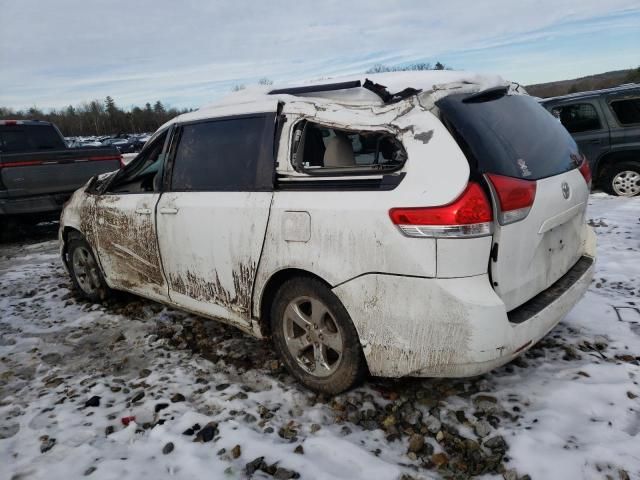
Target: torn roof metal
pixel 258 99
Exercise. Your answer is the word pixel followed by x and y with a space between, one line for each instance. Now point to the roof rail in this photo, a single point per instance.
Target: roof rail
pixel 327 87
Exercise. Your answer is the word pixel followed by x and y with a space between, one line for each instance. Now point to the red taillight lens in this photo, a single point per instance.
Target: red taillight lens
pixel 122 164
pixel 585 170
pixel 469 215
pixel 516 196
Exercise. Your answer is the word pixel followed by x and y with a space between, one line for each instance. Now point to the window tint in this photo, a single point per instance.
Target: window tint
pixel 512 135
pixel 319 149
pixel 144 173
pixel 580 117
pixel 627 111
pixel 29 138
pixel 233 155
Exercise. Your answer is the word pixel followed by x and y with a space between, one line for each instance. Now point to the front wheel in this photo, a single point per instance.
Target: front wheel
pixel 315 337
pixel 623 179
pixel 85 271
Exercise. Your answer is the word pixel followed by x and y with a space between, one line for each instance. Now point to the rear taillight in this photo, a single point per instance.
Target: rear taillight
pixel 468 216
pixel 515 197
pixel 122 164
pixel 585 170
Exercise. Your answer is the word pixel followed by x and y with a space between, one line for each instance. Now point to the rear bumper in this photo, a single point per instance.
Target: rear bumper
pixel 37 204
pixel 455 327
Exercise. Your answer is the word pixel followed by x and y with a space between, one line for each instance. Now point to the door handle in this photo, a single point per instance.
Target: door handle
pixel 168 211
pixel 143 211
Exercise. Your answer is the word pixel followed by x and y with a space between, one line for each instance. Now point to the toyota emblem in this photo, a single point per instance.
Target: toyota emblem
pixel 566 191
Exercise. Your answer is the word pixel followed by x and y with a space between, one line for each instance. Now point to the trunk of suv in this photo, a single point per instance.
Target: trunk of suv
pixel 528 162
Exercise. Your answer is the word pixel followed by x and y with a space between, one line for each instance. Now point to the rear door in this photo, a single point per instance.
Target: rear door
pixel 213 217
pixel 125 228
pixel 585 121
pixel 529 163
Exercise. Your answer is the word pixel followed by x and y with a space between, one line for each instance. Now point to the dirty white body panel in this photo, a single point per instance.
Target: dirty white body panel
pixel 421 306
pixel 210 244
pixel 454 327
pixel 536 251
pixel 126 243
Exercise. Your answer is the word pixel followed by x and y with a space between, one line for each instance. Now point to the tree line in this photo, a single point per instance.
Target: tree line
pixel 99 118
pixel 96 118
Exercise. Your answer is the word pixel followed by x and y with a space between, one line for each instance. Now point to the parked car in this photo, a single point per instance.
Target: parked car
pixel 606 126
pixel 435 231
pixel 38 172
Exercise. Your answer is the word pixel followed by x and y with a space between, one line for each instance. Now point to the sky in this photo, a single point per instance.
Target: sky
pixel 187 53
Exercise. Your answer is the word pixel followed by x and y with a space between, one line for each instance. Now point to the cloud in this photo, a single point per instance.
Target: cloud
pixel 187 53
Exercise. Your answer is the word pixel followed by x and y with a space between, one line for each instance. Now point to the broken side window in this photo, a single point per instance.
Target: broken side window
pixel 323 150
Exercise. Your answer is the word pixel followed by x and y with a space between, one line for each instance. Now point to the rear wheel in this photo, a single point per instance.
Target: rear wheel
pixel 85 271
pixel 623 179
pixel 315 337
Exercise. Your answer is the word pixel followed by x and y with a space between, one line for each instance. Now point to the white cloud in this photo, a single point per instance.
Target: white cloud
pixel 188 52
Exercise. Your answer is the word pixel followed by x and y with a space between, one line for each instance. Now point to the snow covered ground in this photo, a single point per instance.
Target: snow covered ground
pixel 211 402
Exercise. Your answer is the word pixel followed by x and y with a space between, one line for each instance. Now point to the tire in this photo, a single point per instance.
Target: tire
pixel 623 179
pixel 320 366
pixel 85 271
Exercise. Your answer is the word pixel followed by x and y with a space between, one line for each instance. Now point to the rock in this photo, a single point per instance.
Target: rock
pixel 144 373
pixel 160 406
pixel 412 456
pixel 254 465
pixel 433 424
pixel 389 421
pixel 250 418
pixel 510 475
pixel 482 428
pixel 439 459
pixel 222 386
pixel 416 442
pixel 89 471
pixel 109 430
pixel 284 474
pixel 288 432
pixel 207 433
pixel 138 396
pixel 92 402
pixel 236 452
pixel 496 443
pixel 46 444
pixel 486 403
pixel 299 450
pixel 315 427
pixel 168 448
pixel 178 397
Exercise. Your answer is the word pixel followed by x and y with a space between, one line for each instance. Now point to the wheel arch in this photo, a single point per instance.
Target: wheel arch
pixel 268 292
pixel 609 159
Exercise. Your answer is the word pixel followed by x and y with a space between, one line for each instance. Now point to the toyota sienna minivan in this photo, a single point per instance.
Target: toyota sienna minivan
pixel 429 224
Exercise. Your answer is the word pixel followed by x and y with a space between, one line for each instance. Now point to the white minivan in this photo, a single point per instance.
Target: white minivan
pixel 425 224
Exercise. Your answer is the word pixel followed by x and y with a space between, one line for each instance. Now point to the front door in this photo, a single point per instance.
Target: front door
pixel 125 225
pixel 213 218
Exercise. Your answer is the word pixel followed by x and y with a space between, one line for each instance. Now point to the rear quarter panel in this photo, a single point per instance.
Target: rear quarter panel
pixel 339 235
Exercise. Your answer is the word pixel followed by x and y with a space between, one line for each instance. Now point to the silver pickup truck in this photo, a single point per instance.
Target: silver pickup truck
pixel 38 172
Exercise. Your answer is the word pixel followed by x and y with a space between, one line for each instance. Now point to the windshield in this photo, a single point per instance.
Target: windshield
pixel 511 135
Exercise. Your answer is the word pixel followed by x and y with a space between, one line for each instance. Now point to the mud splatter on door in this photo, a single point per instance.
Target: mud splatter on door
pixel 127 243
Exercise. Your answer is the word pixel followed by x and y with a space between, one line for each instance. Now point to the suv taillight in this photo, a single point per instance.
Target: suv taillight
pixel 468 216
pixel 122 164
pixel 515 197
pixel 585 170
